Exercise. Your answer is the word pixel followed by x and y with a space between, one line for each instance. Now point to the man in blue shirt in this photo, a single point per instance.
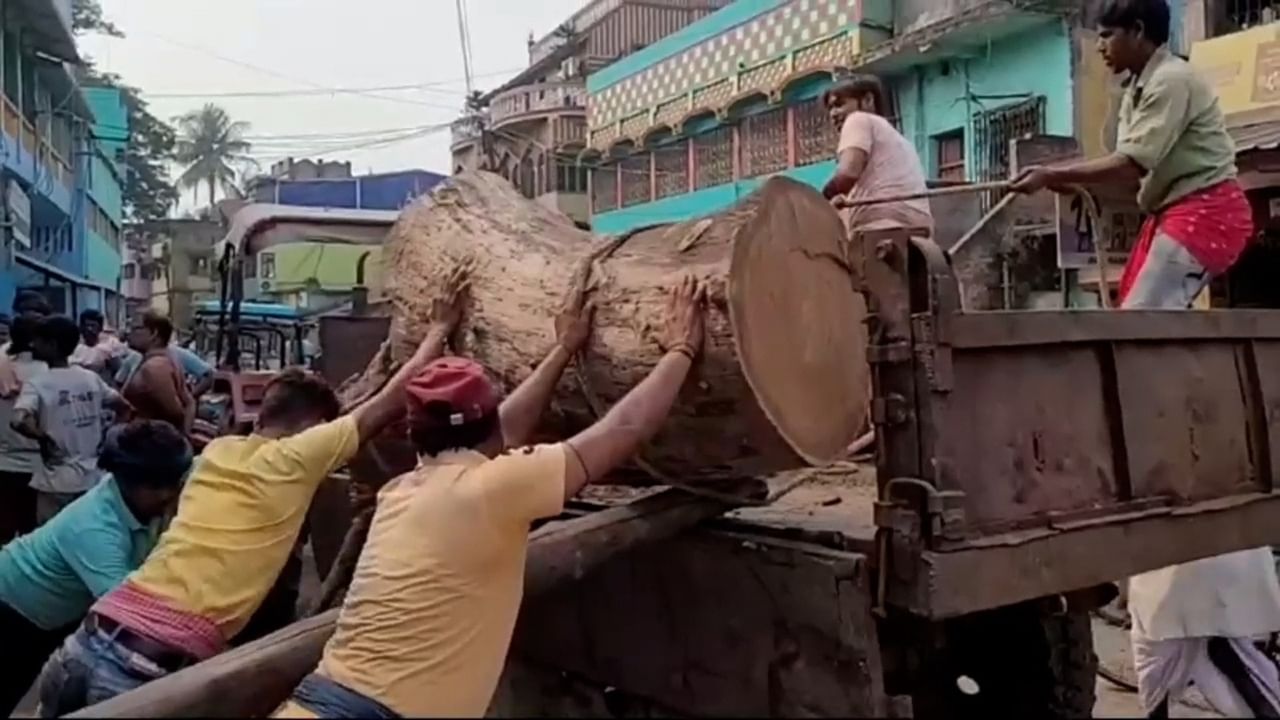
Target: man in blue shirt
pixel 48 579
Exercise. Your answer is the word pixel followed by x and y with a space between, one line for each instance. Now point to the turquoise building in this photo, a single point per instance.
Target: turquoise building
pixel 690 124
pixel 61 155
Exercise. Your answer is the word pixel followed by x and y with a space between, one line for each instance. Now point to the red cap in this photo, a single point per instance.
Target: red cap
pixel 460 383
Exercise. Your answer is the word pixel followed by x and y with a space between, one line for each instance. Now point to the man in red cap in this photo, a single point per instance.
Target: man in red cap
pixel 237 521
pixel 427 622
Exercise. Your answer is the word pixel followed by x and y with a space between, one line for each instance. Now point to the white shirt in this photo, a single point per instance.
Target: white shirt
pixel 68 404
pixel 893 168
pixel 1235 595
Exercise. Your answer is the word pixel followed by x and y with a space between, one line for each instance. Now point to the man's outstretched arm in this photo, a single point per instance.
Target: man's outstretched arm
pixel 523 408
pixel 387 405
pixel 638 416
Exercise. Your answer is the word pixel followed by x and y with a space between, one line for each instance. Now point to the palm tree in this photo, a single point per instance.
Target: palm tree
pixel 212 146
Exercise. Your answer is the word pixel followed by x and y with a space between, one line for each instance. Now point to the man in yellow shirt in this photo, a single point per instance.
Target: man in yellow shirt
pixel 428 619
pixel 237 520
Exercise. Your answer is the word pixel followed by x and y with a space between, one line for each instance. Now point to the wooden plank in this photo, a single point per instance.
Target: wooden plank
pixel 1060 327
pixel 254 679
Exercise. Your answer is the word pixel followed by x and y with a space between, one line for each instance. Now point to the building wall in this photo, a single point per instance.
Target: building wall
pixel 46 155
pixel 930 100
pixel 388 191
pixel 751 46
pixel 943 97
pixel 315 269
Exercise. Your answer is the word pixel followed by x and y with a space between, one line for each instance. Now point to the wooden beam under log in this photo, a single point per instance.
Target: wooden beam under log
pixel 251 681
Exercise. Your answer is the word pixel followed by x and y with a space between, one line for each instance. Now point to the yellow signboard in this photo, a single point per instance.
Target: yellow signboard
pixel 1244 68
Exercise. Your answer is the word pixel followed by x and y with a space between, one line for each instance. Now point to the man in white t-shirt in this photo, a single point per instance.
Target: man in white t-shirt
pixel 873 159
pixel 62 410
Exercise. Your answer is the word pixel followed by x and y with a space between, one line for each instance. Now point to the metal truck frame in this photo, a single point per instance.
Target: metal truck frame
pixel 1025 461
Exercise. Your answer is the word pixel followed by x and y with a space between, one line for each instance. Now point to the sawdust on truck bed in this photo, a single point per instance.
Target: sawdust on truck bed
pixel 834 500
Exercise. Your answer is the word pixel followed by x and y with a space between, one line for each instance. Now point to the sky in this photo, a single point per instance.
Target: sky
pixel 200 50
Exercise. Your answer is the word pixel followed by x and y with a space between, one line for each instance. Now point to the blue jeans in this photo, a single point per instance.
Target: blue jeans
pixel 328 699
pixel 89 668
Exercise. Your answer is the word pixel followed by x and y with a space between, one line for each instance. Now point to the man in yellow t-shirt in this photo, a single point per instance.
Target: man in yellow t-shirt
pixel 429 615
pixel 237 520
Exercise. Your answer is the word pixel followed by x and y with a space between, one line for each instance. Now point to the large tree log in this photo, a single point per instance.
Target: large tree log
pixel 783 380
pixel 251 681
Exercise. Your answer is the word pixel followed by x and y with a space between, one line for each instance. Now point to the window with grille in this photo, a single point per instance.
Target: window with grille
pixel 527 180
pixel 604 188
pixel 949 152
pixel 671 166
pixel 570 177
pixel 1235 15
pixel 764 143
pixel 713 158
pixel 268 266
pixel 635 180
pixel 993 132
pixel 815 135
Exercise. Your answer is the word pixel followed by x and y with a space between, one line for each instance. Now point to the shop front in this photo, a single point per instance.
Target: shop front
pixel 1244 68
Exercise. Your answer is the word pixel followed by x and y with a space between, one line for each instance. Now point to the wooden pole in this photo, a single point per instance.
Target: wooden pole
pixel 252 680
pixel 932 193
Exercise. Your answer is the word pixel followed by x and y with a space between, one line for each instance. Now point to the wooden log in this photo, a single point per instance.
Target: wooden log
pixel 252 680
pixel 783 380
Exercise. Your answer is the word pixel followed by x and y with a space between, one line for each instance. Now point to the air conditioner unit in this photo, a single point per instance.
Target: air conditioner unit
pixel 570 68
pixel 265 286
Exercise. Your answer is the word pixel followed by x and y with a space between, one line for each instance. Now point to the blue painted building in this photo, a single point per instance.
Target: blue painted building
pixel 60 184
pixel 382 191
pixel 690 124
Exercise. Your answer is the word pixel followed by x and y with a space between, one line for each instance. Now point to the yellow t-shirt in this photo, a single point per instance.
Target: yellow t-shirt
pixel 238 518
pixel 429 616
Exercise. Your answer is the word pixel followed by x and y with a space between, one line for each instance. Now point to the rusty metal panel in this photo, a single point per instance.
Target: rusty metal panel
pixel 1185 427
pixel 1014 567
pixel 1027 445
pixel 347 343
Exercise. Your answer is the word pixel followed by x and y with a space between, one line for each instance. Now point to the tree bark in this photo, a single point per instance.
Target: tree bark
pixel 783 378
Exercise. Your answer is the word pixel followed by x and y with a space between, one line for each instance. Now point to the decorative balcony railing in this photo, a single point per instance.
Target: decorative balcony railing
pixel 537 98
pixel 464 130
pixel 21 130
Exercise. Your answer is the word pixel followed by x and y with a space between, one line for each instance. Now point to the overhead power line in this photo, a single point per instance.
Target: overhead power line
pixel 434 86
pixel 276 74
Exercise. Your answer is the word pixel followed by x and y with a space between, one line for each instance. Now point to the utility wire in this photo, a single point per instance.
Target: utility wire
pixel 273 73
pixel 437 86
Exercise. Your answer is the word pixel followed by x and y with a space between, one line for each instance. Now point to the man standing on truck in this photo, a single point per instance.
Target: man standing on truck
pixel 427 623
pixel 1192 623
pixel 873 159
pixel 238 518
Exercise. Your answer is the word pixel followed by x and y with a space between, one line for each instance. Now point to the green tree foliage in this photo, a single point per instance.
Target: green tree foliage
pixel 211 146
pixel 149 193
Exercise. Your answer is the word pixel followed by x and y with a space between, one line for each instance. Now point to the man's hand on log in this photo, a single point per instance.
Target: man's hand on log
pixel 686 309
pixel 573 323
pixel 447 308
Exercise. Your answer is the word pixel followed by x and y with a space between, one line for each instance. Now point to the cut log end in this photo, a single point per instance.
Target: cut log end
pixel 799 321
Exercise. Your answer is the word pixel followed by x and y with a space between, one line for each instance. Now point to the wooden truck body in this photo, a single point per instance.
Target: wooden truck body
pixel 1025 461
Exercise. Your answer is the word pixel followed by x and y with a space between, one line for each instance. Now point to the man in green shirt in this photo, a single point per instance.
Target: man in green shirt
pixel 1172 144
pixel 1192 623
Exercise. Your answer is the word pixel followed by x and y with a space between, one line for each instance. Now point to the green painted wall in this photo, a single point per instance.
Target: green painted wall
pixel 332 266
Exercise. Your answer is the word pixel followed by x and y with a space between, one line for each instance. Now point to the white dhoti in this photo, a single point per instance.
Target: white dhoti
pixel 1178 610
